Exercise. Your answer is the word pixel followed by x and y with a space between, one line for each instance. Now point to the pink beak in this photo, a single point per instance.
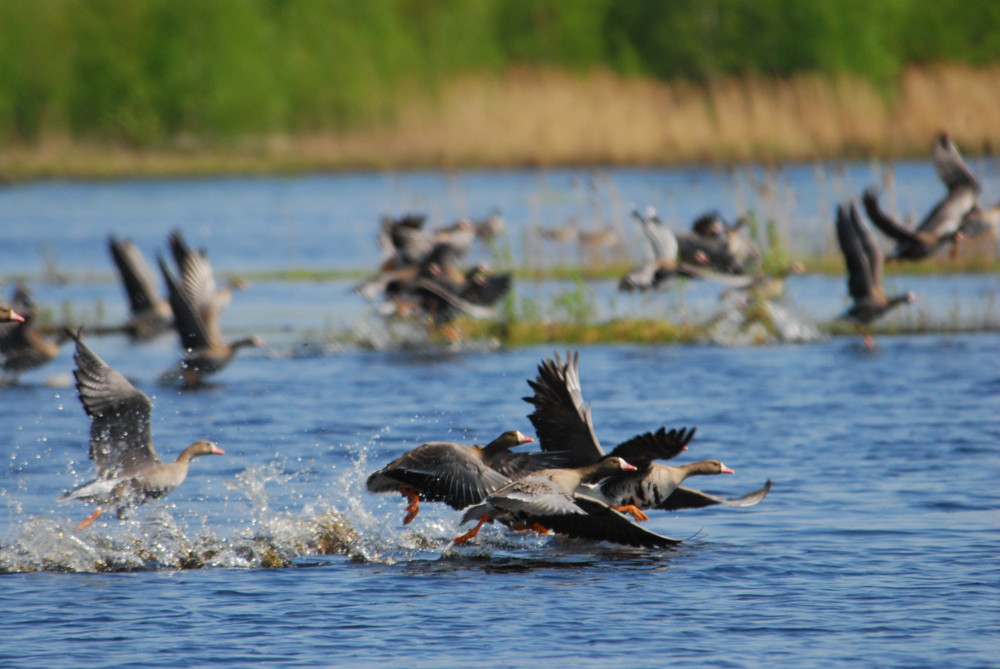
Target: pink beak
pixel 726 470
pixel 217 451
pixel 14 316
pixel 626 467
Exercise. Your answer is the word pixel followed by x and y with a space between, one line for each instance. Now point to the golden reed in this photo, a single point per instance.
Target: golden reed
pixel 531 117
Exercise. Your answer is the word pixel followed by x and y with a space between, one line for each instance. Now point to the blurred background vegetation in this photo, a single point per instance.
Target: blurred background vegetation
pixel 159 73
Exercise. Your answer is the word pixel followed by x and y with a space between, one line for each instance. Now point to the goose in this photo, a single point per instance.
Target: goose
pixel 458 475
pixel 549 500
pixel 650 486
pixel 22 347
pixel 129 472
pixel 666 262
pixel 864 273
pixel 199 331
pixel 150 314
pixel 564 424
pixel 943 224
pixel 727 251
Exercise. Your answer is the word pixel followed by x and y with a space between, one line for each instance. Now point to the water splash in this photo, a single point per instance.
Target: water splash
pixel 741 322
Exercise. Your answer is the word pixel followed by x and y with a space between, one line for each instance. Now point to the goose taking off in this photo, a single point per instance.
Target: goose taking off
pixel 129 472
pixel 943 224
pixel 458 475
pixel 551 500
pixel 864 273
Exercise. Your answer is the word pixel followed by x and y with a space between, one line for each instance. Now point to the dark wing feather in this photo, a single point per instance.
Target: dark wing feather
pixel 689 498
pixel 884 222
pixel 135 273
pixel 859 278
pixel 120 438
pixel 950 167
pixel 190 327
pixel 602 523
pixel 517 465
pixel 562 421
pixel 485 290
pixel 872 252
pixel 660 445
pixel 443 472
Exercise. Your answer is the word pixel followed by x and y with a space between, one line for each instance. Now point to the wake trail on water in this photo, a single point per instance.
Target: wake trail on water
pixel 343 522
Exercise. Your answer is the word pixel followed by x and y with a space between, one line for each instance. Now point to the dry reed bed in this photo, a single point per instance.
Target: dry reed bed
pixel 553 118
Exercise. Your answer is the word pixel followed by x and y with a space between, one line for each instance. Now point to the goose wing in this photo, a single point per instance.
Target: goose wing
pixel 136 275
pixel 562 421
pixel 660 445
pixel 120 437
pixel 689 498
pixel 441 472
pixel 950 166
pixel 860 282
pixel 888 225
pixel 871 251
pixel 599 522
pixel 192 330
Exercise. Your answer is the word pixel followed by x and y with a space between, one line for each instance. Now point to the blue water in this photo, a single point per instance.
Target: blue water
pixel 876 547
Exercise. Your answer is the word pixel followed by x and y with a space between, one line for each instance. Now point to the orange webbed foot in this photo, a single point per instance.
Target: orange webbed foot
pixel 413 508
pixel 473 532
pixel 536 526
pixel 91 518
pixel 636 512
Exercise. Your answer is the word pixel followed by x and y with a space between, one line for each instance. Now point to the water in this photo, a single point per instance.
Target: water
pixel 876 547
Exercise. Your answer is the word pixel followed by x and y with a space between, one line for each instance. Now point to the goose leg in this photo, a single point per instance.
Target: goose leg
pixel 91 518
pixel 474 531
pixel 958 238
pixel 536 526
pixel 636 512
pixel 414 506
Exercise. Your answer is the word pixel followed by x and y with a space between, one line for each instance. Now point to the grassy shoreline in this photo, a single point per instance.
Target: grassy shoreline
pixel 550 118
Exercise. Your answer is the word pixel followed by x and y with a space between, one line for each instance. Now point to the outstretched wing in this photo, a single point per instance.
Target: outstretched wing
pixel 562 421
pixel 689 498
pixel 860 282
pixel 191 329
pixel 120 437
pixel 888 225
pixel 602 523
pixel 950 167
pixel 140 287
pixel 660 445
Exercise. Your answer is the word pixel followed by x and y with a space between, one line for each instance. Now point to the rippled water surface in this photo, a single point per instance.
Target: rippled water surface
pixel 877 545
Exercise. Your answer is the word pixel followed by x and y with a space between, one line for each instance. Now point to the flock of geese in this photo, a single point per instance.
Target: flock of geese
pixel 571 486
pixel 715 249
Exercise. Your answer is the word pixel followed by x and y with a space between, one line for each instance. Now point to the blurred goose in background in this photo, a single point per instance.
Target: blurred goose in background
pixel 864 273
pixel 406 248
pixel 563 424
pixel 129 472
pixel 199 331
pixel 666 261
pixel 943 225
pixel 722 243
pixel 458 475
pixel 550 500
pixel 150 314
pixel 22 347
